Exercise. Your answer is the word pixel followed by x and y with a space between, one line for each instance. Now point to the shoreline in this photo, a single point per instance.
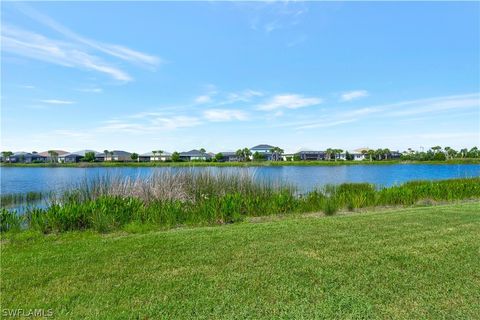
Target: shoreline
pixel 230 164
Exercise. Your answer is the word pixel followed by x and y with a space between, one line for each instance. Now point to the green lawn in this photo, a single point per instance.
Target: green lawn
pixel 403 263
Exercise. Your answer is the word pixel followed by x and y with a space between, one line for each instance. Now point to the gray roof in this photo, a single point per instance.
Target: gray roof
pixel 71 155
pixel 83 152
pixel 194 153
pixel 262 147
pixel 228 153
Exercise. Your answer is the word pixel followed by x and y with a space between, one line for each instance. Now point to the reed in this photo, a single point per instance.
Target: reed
pixel 170 199
pixel 20 198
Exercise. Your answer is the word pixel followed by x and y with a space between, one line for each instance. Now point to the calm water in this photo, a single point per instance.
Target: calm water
pixel 19 180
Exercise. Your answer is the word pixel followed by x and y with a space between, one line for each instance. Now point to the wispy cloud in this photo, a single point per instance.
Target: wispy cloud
pixel 57 101
pixel 91 90
pixel 38 47
pixel 73 51
pixel 289 101
pixel 353 95
pixel 115 50
pixel 431 106
pixel 220 115
pixel 203 99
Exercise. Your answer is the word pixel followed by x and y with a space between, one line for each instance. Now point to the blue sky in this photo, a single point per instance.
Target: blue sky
pixel 176 76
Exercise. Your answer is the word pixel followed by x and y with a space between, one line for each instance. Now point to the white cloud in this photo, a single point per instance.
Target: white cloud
pixel 57 101
pixel 36 46
pixel 91 90
pixel 115 50
pixel 289 101
pixel 203 99
pixel 218 115
pixel 353 95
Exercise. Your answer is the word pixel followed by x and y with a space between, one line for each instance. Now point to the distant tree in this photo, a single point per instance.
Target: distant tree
pixel 219 156
pixel 202 150
pixel 365 153
pixel 379 154
pixel 371 154
pixel 474 153
pixel 436 149
pixel 175 156
pixel 386 153
pixel 247 153
pixel 53 155
pixel 106 153
pixel 296 157
pixel 329 153
pixel 7 154
pixel 134 156
pixel 239 154
pixel 257 156
pixel 276 153
pixel 348 156
pixel 463 153
pixel 337 152
pixel 89 157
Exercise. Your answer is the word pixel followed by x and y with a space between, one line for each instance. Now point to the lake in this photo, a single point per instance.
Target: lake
pixel 20 180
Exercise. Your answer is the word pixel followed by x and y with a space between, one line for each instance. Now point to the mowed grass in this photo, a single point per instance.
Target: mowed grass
pixel 410 263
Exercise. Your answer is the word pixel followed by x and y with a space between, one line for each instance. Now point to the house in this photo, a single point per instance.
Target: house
pixel 84 152
pixel 194 155
pixel 53 157
pixel 25 157
pixel 229 156
pixel 117 155
pixel 69 158
pixel 263 149
pixel 310 155
pixel 100 157
pixel 150 156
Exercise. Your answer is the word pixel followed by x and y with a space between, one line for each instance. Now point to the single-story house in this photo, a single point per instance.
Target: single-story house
pixel 100 156
pixel 150 156
pixel 229 156
pixel 69 158
pixel 263 149
pixel 54 158
pixel 310 155
pixel 25 157
pixel 194 155
pixel 118 155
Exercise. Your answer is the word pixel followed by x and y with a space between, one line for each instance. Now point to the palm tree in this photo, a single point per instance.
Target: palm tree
pixel 106 152
pixel 371 153
pixel 386 153
pixel 336 152
pixel 160 152
pixel 239 154
pixel 329 152
pixel 364 152
pixel 379 154
pixel 436 149
pixel 7 154
pixel 276 153
pixel 53 155
pixel 247 153
pixel 154 155
pixel 464 152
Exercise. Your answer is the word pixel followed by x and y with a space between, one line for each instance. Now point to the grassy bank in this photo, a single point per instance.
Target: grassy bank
pixel 167 200
pixel 401 264
pixel 231 164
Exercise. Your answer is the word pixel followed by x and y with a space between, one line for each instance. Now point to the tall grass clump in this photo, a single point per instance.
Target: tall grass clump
pixel 185 197
pixel 11 199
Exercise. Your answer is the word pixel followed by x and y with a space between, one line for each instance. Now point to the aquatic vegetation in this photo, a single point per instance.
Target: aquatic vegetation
pixel 170 199
pixel 20 198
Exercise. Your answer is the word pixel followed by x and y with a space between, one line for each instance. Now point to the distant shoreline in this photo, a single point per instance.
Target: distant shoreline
pixel 230 164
